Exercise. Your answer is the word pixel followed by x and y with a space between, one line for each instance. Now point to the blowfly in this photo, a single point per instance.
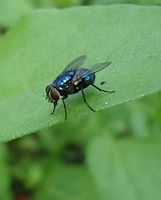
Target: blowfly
pixel 73 79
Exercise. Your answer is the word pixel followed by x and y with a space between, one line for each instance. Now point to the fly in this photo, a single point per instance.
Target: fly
pixel 73 79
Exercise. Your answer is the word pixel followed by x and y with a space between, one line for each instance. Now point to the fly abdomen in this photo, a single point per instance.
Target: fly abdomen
pixel 87 80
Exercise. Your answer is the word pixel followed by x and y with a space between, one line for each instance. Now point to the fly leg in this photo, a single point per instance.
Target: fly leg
pixel 65 109
pixel 55 104
pixel 85 101
pixel 109 91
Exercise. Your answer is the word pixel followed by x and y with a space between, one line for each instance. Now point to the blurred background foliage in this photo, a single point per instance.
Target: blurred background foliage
pixel 12 10
pixel 112 154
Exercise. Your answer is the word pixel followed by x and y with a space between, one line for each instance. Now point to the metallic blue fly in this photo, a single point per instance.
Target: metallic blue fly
pixel 73 79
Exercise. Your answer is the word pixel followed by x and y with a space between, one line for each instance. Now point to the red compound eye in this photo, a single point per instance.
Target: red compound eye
pixel 54 94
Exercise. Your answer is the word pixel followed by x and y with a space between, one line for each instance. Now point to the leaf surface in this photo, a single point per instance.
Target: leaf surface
pixel 39 47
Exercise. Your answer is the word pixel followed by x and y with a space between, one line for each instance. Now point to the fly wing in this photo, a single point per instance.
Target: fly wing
pixel 81 73
pixel 99 66
pixel 76 63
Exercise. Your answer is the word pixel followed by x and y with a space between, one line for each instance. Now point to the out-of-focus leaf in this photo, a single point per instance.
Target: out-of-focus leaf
pixel 29 172
pixel 42 3
pixel 67 182
pixel 126 169
pixel 44 42
pixel 67 3
pixel 12 10
pixel 5 192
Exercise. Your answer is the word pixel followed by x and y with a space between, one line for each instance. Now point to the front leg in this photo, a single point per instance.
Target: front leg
pixel 64 104
pixel 55 104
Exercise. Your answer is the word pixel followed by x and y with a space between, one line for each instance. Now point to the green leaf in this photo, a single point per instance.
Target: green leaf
pixel 110 1
pixel 67 182
pixel 12 10
pixel 67 3
pixel 144 2
pixel 38 48
pixel 5 192
pixel 42 3
pixel 126 169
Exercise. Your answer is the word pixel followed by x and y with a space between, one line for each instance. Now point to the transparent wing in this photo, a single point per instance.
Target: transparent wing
pixel 76 63
pixel 91 69
pixel 99 66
